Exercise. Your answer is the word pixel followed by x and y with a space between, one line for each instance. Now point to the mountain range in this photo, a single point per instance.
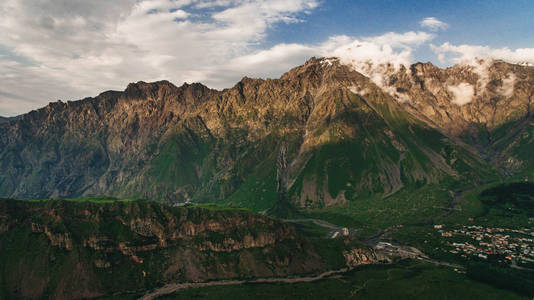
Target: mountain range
pixel 321 135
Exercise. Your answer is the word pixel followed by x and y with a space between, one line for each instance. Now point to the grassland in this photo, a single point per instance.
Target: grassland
pixel 374 214
pixel 499 204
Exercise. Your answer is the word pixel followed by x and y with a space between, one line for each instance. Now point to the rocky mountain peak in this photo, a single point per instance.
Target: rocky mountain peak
pixel 329 73
pixel 316 67
pixel 422 68
pixel 143 90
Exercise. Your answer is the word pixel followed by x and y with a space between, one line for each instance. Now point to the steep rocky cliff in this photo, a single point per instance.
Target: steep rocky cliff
pixel 345 137
pixel 66 250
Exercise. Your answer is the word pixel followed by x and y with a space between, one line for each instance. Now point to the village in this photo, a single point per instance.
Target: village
pixel 515 245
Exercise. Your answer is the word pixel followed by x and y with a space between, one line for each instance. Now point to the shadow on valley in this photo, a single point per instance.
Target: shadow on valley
pixel 516 196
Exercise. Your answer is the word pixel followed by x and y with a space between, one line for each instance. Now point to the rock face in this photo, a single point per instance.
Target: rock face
pixel 343 137
pixel 71 250
pixel 357 257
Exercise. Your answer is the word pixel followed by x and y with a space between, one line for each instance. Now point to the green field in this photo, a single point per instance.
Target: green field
pixel 371 215
pixel 508 204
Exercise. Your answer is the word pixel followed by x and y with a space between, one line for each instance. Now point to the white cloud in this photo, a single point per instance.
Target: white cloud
pixel 402 40
pixel 77 48
pixel 374 57
pixel 470 53
pixel 265 63
pixel 480 58
pixel 377 57
pixel 462 93
pixel 433 24
pixel 390 48
pixel 507 88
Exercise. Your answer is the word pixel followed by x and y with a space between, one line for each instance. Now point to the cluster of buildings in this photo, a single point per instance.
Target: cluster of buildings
pixel 516 245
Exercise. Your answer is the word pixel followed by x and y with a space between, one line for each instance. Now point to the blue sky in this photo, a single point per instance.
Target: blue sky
pixel 57 49
pixel 495 23
pixel 478 22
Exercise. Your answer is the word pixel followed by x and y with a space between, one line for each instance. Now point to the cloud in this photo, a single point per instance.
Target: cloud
pixel 433 24
pixel 73 49
pixel 480 58
pixel 81 48
pixel 462 93
pixel 373 56
pixel 377 57
pixel 507 88
pixel 106 53
pixel 271 63
pixel 468 53
pixel 390 48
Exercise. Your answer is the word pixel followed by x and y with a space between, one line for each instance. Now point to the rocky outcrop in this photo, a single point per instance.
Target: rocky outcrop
pixel 248 241
pixel 358 256
pixel 203 229
pixel 61 240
